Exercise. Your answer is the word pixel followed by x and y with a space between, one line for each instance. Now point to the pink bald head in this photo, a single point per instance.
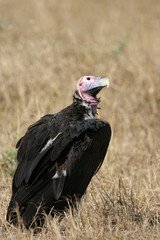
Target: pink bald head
pixel 89 86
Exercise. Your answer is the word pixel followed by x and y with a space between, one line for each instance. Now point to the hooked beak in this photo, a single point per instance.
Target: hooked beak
pixel 96 85
pixel 103 81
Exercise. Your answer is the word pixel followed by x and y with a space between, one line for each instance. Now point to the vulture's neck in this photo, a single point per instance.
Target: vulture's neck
pixel 83 107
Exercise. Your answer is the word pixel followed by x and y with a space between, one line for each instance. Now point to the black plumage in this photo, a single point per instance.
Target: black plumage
pixel 57 157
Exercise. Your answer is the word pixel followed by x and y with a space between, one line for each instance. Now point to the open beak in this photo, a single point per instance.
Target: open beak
pixel 96 85
pixel 97 82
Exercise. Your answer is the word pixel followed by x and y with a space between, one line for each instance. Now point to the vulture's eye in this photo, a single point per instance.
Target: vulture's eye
pixel 88 78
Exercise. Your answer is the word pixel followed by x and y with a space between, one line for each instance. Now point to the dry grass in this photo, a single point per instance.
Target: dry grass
pixel 45 46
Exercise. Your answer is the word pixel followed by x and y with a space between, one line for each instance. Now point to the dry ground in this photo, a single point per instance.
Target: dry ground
pixel 45 47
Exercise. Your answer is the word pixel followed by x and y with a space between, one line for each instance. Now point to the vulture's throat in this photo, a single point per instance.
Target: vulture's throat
pixel 89 105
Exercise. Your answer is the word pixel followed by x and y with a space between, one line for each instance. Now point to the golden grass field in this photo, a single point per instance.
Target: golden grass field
pixel 45 47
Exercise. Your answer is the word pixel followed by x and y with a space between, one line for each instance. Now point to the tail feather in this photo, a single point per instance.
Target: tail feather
pixel 32 210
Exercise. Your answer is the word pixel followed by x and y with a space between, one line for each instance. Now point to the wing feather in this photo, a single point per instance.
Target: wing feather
pixel 30 157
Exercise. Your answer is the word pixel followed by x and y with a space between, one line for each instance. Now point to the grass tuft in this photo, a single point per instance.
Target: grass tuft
pixel 9 161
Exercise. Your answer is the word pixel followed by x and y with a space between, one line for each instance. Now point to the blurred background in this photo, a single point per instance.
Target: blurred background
pixel 47 45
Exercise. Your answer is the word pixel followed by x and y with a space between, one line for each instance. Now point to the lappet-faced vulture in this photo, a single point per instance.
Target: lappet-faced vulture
pixel 58 156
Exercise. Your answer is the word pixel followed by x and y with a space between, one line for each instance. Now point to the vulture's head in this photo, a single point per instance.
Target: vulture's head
pixel 89 86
